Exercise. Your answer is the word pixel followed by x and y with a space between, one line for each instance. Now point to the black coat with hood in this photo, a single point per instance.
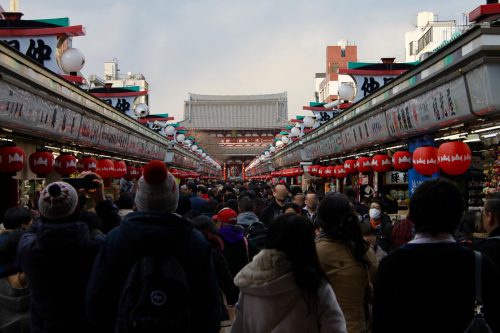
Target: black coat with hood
pixel 153 232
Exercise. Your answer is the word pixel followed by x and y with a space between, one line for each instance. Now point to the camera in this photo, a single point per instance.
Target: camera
pixel 86 182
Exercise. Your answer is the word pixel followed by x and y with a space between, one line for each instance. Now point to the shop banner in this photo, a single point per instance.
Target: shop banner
pixel 396 178
pixel 122 104
pixel 442 106
pixel 365 133
pixel 41 49
pixel 369 83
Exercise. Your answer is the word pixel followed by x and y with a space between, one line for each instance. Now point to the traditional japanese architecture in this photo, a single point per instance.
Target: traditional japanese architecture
pixel 235 128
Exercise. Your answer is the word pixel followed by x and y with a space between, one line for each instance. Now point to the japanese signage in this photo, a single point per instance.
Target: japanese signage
pixel 42 49
pixel 366 132
pixel 122 104
pixel 369 83
pixel 396 178
pixel 439 107
pixel 323 116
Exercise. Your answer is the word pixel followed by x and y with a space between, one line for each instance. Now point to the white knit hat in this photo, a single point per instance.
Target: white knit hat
pixel 57 200
pixel 157 189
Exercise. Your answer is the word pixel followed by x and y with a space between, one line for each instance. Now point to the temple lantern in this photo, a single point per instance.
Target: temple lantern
pixel 131 173
pixel 364 164
pixel 329 171
pixel 105 168
pixel 340 171
pixel 11 158
pixel 350 166
pixel 120 169
pixel 138 172
pixel 313 170
pixel 402 160
pixel 86 163
pixel 381 163
pixel 425 160
pixel 454 158
pixel 41 162
pixel 65 164
pixel 321 171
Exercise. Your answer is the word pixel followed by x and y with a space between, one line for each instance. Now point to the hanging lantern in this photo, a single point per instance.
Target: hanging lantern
pixel 65 164
pixel 402 160
pixel 321 171
pixel 330 171
pixel 41 162
pixel 313 170
pixel 11 158
pixel 131 172
pixel 105 168
pixel 454 158
pixel 364 164
pixel 381 163
pixel 340 171
pixel 350 167
pixel 138 172
pixel 86 163
pixel 120 169
pixel 425 160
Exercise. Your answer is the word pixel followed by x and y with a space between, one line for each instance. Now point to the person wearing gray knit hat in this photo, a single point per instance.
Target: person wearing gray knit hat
pixel 58 200
pixel 157 189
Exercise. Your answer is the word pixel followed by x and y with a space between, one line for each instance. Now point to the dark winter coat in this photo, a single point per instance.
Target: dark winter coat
pixel 430 288
pixel 235 247
pixel 491 246
pixel 57 259
pixel 270 213
pixel 383 232
pixel 153 232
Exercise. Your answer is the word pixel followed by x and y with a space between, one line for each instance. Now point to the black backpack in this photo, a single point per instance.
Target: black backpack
pixel 256 234
pixel 155 297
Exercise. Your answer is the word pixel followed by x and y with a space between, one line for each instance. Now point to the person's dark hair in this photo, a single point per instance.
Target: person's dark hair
pixel 192 187
pixel 227 188
pixel 258 205
pixel 202 189
pixel 492 204
pixel 280 184
pixel 125 201
pixel 294 190
pixel 230 196
pixel 337 219
pixel 15 216
pixel 436 206
pixel 245 204
pixel 377 201
pixel 184 206
pixel 231 203
pixel 292 205
pixel 91 219
pixel 294 235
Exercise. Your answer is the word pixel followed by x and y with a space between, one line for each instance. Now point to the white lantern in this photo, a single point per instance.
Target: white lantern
pixel 72 60
pixel 279 143
pixel 180 137
pixel 285 139
pixel 199 151
pixel 141 110
pixel 266 153
pixel 308 121
pixel 346 92
pixel 262 157
pixel 204 155
pixel 194 147
pixel 272 149
pixel 187 142
pixel 295 131
pixel 169 130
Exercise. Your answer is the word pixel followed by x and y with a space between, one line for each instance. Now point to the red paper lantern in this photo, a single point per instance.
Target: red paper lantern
pixel 364 164
pixel 350 166
pixel 120 169
pixel 340 171
pixel 41 162
pixel 330 171
pixel 381 163
pixel 86 163
pixel 321 171
pixel 11 158
pixel 65 164
pixel 105 168
pixel 454 158
pixel 138 172
pixel 402 160
pixel 425 160
pixel 313 170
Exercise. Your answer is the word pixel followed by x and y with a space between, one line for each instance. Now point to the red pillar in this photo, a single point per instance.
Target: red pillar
pixel 224 172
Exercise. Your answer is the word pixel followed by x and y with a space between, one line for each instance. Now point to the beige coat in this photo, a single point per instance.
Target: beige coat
pixel 348 278
pixel 271 302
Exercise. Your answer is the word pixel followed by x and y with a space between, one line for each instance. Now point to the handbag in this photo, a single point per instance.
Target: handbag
pixel 478 323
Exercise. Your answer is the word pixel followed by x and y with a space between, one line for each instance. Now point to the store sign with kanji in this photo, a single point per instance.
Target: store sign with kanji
pixel 323 116
pixel 369 83
pixel 40 49
pixel 123 104
pixel 396 178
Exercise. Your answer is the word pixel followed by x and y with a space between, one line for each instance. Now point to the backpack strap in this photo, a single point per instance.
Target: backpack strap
pixel 494 237
pixel 477 283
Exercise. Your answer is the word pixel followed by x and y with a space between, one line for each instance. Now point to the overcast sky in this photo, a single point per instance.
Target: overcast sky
pixel 235 46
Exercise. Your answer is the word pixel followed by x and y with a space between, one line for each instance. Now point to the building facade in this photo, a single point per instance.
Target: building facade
pixel 234 129
pixel 429 34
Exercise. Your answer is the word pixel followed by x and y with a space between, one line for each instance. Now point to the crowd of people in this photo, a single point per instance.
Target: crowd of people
pixel 243 257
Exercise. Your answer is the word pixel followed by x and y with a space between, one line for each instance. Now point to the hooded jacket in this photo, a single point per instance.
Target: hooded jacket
pixel 153 232
pixel 235 247
pixel 57 259
pixel 271 301
pixel 246 219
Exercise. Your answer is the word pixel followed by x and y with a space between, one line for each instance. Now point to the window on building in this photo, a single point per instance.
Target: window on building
pixel 342 53
pixel 425 40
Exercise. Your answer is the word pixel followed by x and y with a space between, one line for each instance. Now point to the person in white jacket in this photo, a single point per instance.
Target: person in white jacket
pixel 284 289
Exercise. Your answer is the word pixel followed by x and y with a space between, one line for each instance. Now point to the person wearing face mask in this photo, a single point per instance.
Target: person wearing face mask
pixel 380 223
